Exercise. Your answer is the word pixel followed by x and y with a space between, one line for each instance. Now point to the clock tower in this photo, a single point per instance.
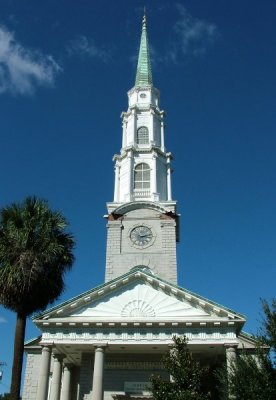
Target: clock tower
pixel 142 227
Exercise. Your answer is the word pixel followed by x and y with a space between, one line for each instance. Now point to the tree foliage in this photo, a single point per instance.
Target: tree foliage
pixel 186 375
pixel 268 329
pixel 5 396
pixel 35 252
pixel 253 376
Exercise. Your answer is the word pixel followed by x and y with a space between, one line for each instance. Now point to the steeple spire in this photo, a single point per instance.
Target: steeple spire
pixel 143 74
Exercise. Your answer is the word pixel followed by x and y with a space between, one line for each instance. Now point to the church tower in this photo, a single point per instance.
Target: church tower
pixel 142 227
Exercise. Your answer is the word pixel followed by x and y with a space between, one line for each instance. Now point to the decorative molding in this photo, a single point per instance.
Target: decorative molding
pixel 164 305
pixel 137 308
pixel 124 208
pixel 134 365
pixel 137 335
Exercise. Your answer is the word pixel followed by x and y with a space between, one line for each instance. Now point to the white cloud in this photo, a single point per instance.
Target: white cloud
pixel 194 34
pixel 190 37
pixel 22 69
pixel 84 46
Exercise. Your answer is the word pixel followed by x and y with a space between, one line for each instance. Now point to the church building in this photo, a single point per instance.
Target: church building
pixel 106 343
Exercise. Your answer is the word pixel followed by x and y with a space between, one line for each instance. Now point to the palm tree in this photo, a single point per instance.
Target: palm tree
pixel 35 252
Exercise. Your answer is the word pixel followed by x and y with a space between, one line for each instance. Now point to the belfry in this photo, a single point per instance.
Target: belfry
pixel 106 343
pixel 142 219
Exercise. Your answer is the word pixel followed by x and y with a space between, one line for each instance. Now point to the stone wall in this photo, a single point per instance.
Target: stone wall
pixel 31 375
pixel 159 256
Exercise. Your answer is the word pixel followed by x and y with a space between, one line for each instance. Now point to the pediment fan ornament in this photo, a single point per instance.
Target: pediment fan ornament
pixel 137 308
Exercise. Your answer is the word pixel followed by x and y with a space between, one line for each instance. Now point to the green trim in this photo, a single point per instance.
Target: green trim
pixel 32 341
pixel 248 336
pixel 143 74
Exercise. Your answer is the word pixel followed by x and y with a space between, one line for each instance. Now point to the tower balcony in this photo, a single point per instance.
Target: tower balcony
pixel 145 194
pixel 139 194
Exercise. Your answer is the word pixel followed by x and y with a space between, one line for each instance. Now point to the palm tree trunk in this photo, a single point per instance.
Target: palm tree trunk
pixel 18 353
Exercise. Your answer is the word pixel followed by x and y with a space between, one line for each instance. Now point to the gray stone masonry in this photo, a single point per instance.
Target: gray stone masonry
pixel 86 376
pixel 31 375
pixel 159 255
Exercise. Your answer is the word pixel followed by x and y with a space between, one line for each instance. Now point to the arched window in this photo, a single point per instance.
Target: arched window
pixel 142 135
pixel 142 176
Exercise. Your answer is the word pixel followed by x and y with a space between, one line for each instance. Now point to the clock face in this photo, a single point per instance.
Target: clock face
pixel 141 236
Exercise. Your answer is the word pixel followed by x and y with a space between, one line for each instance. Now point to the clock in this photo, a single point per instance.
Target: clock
pixel 141 236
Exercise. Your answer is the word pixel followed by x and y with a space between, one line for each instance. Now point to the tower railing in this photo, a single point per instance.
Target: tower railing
pixel 141 193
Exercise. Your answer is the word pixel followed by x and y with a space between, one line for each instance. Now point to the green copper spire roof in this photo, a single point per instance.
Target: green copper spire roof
pixel 143 74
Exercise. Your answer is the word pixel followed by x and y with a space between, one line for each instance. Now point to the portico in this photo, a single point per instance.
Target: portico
pixel 137 365
pixel 101 344
pixel 134 361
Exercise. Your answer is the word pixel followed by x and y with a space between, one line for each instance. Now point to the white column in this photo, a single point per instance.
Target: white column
pixel 134 132
pixel 171 351
pixel 152 127
pixel 162 135
pixel 66 382
pixel 116 185
pixel 169 181
pixel 154 178
pixel 130 176
pixel 97 390
pixel 56 378
pixel 124 133
pixel 43 379
pixel 231 357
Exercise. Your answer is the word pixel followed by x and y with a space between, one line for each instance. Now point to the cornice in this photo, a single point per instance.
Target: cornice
pixel 202 324
pixel 143 89
pixel 134 205
pixel 149 107
pixel 141 150
pixel 140 336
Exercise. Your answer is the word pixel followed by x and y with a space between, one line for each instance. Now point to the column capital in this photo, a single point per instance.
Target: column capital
pixel 231 347
pixel 46 348
pixel 102 346
pixel 68 366
pixel 59 356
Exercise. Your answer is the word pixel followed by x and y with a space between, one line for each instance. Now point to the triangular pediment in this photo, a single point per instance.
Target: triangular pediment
pixel 139 300
pixel 138 296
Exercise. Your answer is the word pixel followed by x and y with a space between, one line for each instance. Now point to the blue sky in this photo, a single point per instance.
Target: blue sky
pixel 65 68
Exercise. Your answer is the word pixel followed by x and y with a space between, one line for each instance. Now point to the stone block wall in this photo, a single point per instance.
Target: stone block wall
pixel 159 256
pixel 31 375
pixel 86 376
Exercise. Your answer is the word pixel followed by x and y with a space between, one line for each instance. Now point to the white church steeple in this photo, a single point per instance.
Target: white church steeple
pixel 142 227
pixel 142 169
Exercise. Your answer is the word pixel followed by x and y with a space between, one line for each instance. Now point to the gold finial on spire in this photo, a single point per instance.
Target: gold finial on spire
pixel 144 17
